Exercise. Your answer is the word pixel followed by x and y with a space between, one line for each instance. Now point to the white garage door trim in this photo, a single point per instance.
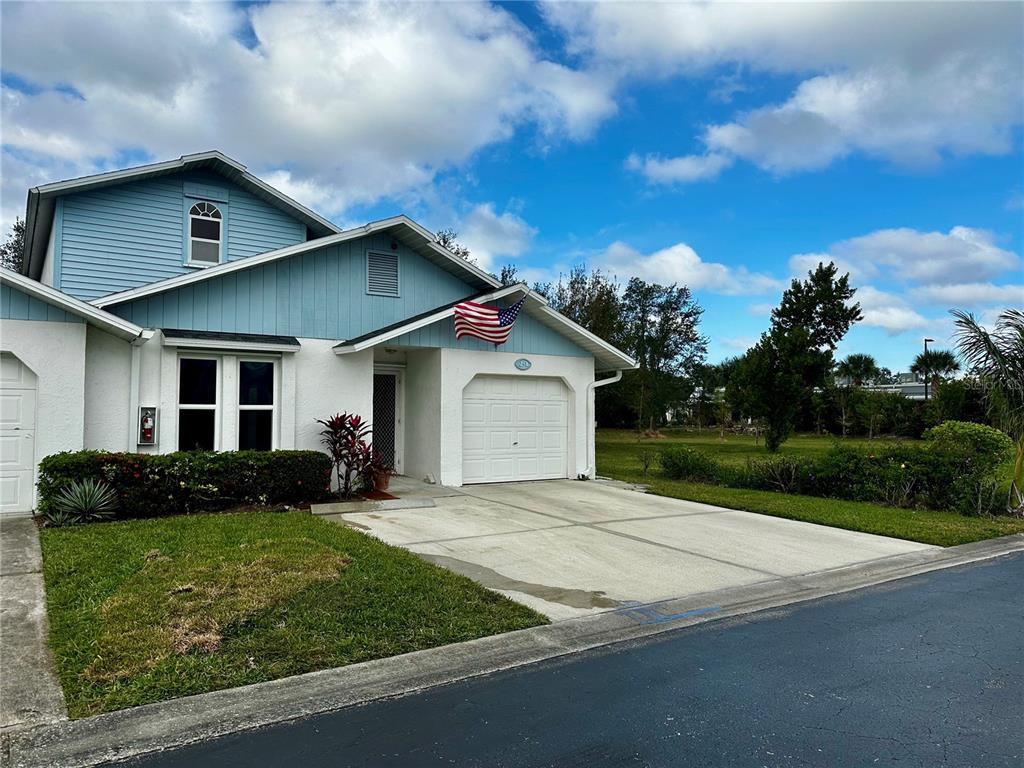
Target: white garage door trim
pixel 17 435
pixel 514 428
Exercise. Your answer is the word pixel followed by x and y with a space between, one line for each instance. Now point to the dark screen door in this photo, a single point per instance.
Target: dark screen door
pixel 385 391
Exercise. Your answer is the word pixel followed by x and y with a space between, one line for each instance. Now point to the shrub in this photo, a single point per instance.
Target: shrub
pixel 986 445
pixel 149 485
pixel 682 463
pixel 83 501
pixel 787 474
pixel 346 438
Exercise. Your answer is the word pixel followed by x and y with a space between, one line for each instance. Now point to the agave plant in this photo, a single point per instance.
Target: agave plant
pixel 57 518
pixel 996 357
pixel 86 501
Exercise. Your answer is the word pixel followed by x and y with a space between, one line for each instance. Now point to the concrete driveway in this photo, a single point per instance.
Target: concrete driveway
pixel 567 548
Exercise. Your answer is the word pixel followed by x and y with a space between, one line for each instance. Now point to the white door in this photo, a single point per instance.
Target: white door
pixel 514 428
pixel 17 434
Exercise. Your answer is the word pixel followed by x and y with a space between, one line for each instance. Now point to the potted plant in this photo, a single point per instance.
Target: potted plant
pixel 378 472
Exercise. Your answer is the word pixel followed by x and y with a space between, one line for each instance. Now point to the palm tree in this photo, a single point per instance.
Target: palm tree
pixel 997 358
pixel 855 370
pixel 858 368
pixel 933 365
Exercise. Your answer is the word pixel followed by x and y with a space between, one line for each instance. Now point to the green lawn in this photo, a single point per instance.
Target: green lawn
pixel 147 610
pixel 619 452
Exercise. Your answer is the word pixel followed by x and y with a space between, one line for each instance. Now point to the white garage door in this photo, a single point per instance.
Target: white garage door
pixel 514 428
pixel 17 434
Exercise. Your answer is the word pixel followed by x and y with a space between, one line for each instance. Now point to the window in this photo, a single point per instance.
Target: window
pixel 197 403
pixel 382 274
pixel 204 234
pixel 255 405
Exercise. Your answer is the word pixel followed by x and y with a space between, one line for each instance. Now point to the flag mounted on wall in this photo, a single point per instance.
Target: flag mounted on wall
pixel 481 321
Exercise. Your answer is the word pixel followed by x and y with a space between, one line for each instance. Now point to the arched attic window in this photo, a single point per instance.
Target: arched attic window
pixel 204 234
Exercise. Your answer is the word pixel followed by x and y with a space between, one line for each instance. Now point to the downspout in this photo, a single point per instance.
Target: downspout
pixel 592 425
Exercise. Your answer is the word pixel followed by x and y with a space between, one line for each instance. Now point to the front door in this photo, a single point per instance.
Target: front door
pixel 387 417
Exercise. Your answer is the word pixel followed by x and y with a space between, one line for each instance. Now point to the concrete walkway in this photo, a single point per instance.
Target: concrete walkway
pixel 29 692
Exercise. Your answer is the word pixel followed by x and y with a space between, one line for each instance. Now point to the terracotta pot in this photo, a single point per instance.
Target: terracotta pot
pixel 381 481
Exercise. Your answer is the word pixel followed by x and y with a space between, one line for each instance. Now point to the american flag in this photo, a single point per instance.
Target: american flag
pixel 492 324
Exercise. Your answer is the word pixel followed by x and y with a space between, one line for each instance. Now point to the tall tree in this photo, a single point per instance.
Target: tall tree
pixel 591 299
pixel 660 330
pixel 12 251
pixel 448 238
pixel 780 372
pixel 996 357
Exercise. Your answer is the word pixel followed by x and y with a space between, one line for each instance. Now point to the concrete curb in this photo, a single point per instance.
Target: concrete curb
pixel 167 725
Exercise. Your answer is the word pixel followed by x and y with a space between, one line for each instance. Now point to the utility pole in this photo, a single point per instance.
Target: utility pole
pixel 927 373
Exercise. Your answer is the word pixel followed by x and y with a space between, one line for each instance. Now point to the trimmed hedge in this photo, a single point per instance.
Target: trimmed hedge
pixel 150 485
pixel 955 469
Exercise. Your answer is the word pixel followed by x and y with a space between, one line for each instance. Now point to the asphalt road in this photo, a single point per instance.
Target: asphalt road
pixel 923 672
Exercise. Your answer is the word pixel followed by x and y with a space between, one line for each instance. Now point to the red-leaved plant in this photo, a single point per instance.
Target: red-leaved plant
pixel 345 436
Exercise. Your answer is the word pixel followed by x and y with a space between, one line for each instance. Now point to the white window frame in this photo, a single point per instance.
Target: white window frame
pixel 219 242
pixel 215 407
pixel 275 427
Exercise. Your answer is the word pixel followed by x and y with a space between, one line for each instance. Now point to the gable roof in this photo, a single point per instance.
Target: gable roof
pixel 40 205
pixel 402 228
pixel 103 320
pixel 607 357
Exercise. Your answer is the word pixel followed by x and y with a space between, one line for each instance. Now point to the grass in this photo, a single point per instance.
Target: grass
pixel 147 610
pixel 618 456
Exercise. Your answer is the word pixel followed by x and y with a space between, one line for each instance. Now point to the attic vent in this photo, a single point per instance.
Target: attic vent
pixel 382 274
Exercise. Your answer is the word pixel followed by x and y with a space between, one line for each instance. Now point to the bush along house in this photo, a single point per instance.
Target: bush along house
pixel 188 305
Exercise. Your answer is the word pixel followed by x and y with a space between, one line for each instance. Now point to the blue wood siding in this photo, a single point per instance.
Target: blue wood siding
pixel 17 305
pixel 321 294
pixel 529 336
pixel 129 235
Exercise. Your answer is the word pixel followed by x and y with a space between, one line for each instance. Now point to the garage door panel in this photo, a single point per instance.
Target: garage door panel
pixel 500 440
pixel 514 428
pixel 474 413
pixel 16 450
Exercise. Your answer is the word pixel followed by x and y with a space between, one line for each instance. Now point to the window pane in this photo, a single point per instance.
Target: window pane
pixel 195 430
pixel 206 229
pixel 197 382
pixel 255 430
pixel 206 253
pixel 255 383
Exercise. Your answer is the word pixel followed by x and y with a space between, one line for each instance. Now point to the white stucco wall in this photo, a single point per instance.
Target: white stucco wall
pixel 326 384
pixel 107 391
pixel 55 352
pixel 422 454
pixel 459 366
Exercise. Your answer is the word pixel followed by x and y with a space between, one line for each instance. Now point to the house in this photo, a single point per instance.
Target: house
pixel 189 305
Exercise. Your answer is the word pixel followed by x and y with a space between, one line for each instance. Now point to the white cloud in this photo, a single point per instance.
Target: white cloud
pixel 348 102
pixel 970 294
pixel 491 236
pixel 905 82
pixel 742 343
pixel 681 264
pixel 888 311
pixel 671 170
pixel 964 254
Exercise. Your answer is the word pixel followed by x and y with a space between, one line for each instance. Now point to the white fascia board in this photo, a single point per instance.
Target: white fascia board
pixel 627 363
pixel 422 322
pixel 229 346
pixel 98 317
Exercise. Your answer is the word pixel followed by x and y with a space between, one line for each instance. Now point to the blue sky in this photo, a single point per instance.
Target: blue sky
pixel 728 147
